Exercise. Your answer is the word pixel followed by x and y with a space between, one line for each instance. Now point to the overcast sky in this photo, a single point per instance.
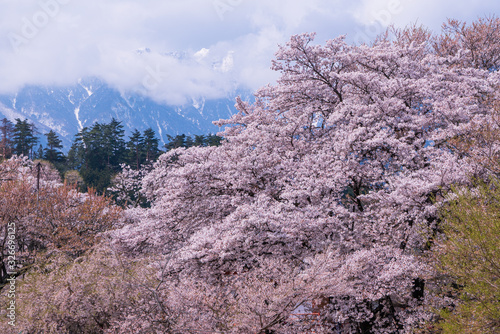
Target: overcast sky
pixel 173 50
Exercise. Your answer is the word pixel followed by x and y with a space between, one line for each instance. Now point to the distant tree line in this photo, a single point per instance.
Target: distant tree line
pixel 188 141
pixel 21 138
pixel 97 152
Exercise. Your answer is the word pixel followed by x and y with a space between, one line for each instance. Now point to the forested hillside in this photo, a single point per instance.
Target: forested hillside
pixel 359 194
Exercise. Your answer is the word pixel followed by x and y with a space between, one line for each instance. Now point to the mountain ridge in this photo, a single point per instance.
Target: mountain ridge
pixel 68 109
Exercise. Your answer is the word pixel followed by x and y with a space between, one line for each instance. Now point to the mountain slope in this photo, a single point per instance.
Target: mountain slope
pixel 68 109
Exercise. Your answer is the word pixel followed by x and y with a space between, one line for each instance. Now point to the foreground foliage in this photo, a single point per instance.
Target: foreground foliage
pixel 471 255
pixel 40 218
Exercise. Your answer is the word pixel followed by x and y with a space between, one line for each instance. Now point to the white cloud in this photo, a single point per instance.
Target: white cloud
pixel 197 47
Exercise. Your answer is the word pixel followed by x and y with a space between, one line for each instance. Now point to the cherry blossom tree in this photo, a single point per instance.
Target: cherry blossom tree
pixel 126 187
pixel 45 225
pixel 479 42
pixel 344 156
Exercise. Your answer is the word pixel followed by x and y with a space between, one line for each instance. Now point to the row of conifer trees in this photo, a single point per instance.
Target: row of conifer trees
pixel 97 152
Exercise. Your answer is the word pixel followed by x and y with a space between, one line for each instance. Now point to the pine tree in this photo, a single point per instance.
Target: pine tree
pixel 175 142
pixel 113 136
pixel 6 141
pixel 39 153
pixel 33 139
pixel 135 147
pixel 24 138
pixel 151 145
pixel 189 141
pixel 213 140
pixel 78 150
pixel 98 152
pixel 199 140
pixel 52 153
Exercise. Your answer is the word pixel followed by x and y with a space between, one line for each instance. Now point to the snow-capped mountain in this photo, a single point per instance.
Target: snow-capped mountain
pixel 66 110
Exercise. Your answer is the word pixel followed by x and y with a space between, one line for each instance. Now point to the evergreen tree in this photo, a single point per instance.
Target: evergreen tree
pixel 24 138
pixel 98 152
pixel 142 148
pixel 115 144
pixel 189 141
pixel 39 153
pixel 175 142
pixel 97 145
pixel 78 150
pixel 6 140
pixel 151 145
pixel 52 152
pixel 33 140
pixel 213 140
pixel 199 140
pixel 135 147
